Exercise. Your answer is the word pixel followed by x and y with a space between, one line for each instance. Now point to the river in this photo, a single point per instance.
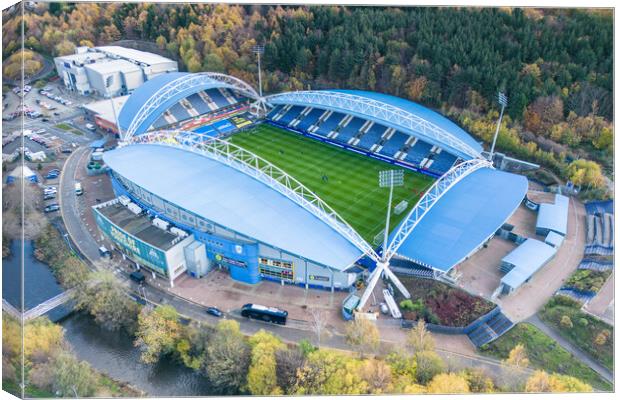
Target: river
pixel 112 353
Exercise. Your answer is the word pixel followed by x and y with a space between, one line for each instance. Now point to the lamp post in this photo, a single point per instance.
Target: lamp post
pixel 503 101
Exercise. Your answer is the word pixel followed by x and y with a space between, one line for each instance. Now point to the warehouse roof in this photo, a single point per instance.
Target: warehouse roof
pixel 233 200
pixel 554 217
pixel 106 67
pixel 528 258
pixel 464 218
pixel 133 54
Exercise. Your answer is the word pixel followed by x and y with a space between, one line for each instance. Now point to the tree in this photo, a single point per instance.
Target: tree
pixel 262 378
pixel 541 382
pixel 419 339
pixel 227 359
pixel 193 346
pixel 378 375
pixel 448 383
pixel 72 378
pixel 318 323
pixel 158 333
pixel 327 372
pixel 103 297
pixel 288 362
pixel 478 381
pixel 428 364
pixel 518 357
pixel 42 339
pixel 585 173
pixel 362 335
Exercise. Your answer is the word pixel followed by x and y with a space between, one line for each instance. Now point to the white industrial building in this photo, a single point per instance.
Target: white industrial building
pixel 110 71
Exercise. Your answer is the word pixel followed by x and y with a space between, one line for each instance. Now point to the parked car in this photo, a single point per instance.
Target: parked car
pixel 49 196
pixel 51 208
pixel 91 127
pixel 51 175
pixel 137 277
pixel 214 311
pixel 54 171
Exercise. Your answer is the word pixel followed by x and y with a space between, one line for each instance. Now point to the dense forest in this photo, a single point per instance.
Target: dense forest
pixel 555 65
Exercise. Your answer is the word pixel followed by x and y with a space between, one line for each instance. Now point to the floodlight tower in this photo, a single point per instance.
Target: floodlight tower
pixel 503 101
pixel 389 179
pixel 259 107
pixel 258 50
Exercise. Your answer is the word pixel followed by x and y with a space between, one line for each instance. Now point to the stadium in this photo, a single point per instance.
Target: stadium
pixel 209 174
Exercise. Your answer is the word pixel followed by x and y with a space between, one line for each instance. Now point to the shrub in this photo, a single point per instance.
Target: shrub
pixel 566 322
pixel 407 305
pixel 583 322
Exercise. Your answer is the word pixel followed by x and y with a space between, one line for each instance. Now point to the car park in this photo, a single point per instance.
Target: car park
pixel 214 311
pixel 51 208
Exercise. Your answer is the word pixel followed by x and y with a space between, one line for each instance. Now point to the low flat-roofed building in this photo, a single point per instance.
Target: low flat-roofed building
pixel 523 262
pixel 104 113
pixel 114 77
pixel 158 250
pixel 553 217
pixel 554 239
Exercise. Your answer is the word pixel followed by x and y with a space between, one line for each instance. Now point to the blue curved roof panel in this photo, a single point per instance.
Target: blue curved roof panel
pixel 233 200
pixel 464 218
pixel 142 94
pixel 422 112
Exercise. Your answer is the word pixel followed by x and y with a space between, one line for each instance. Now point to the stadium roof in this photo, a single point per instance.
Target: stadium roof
pixel 554 217
pixel 528 258
pixel 233 200
pixel 464 218
pixel 417 109
pixel 155 96
pixel 400 114
pixel 142 94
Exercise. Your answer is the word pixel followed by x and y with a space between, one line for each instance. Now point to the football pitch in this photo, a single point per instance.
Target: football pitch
pixel 346 181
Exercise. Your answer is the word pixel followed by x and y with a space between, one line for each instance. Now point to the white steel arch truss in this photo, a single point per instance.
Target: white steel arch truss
pixel 180 85
pixel 262 170
pixel 374 108
pixel 417 213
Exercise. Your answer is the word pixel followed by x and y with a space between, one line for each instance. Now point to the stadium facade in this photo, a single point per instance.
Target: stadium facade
pixel 233 210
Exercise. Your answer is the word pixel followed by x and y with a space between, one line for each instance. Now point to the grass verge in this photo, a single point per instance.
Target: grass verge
pixel 544 353
pixel 591 335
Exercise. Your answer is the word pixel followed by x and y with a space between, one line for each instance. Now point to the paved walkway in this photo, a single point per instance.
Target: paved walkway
pixel 602 306
pixel 574 350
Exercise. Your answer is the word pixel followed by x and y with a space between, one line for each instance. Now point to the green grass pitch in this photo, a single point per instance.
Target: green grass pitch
pixel 346 181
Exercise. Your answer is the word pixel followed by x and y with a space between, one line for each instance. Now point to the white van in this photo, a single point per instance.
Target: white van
pixel 78 189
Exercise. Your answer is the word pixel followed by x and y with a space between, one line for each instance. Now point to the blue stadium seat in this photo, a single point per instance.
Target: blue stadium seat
pixel 274 111
pixel 418 152
pixel 395 143
pixel 161 121
pixel 217 98
pixel 291 115
pixel 330 123
pixel 199 104
pixel 443 162
pixel 179 112
pixel 223 126
pixel 350 130
pixel 310 119
pixel 372 136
